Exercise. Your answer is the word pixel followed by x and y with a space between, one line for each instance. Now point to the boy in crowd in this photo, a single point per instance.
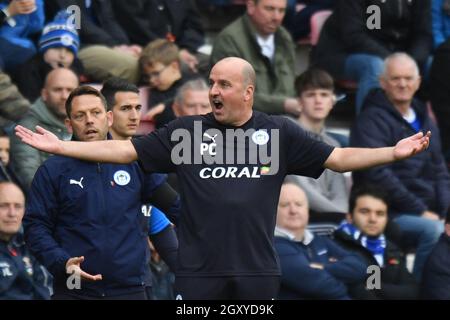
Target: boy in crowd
pixel 315 91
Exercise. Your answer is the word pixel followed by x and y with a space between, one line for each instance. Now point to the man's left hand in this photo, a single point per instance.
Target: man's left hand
pixel 412 145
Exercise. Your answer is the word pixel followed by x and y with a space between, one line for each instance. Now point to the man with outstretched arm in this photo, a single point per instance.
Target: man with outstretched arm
pixel 85 218
pixel 230 165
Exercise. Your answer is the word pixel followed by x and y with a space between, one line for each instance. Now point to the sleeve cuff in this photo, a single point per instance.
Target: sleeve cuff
pixel 9 20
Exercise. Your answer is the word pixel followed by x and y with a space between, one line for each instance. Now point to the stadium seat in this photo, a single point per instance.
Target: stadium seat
pixel 317 21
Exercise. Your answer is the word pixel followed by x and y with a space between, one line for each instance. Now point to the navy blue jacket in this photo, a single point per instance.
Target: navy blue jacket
pixel 21 276
pixel 300 281
pixel 416 184
pixel 99 219
pixel 436 274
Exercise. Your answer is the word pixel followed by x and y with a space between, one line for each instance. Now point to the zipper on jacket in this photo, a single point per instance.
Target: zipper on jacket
pixel 309 252
pixel 102 201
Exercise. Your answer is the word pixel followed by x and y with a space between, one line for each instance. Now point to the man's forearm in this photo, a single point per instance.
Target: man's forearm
pixel 166 244
pixel 350 159
pixel 111 151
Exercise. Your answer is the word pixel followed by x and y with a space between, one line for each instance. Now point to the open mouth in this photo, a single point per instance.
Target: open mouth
pixel 91 132
pixel 217 104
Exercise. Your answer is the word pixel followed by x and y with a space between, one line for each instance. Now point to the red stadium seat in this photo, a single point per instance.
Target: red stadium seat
pixel 317 21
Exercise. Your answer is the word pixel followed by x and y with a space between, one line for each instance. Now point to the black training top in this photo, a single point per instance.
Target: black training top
pixel 229 210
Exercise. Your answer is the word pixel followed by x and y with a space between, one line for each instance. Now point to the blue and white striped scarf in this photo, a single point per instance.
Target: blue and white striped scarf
pixel 376 245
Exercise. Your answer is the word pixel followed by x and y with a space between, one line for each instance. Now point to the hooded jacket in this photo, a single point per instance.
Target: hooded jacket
pixel 415 184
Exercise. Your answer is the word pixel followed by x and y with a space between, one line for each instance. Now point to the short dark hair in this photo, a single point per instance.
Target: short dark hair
pixel 114 85
pixel 82 91
pixel 313 79
pixel 366 190
pixel 3 133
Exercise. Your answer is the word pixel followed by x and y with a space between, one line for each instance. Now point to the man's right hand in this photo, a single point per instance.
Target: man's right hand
pixel 189 59
pixel 21 7
pixel 42 139
pixel 430 215
pixel 153 112
pixel 131 50
pixel 73 266
pixel 292 106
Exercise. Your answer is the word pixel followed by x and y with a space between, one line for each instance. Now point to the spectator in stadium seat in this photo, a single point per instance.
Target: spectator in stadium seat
pixel 420 186
pixel 161 70
pixel 191 99
pixel 315 91
pixel 58 47
pixel 48 112
pixel 106 50
pixel 259 38
pixel 22 277
pixel 364 233
pixel 312 267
